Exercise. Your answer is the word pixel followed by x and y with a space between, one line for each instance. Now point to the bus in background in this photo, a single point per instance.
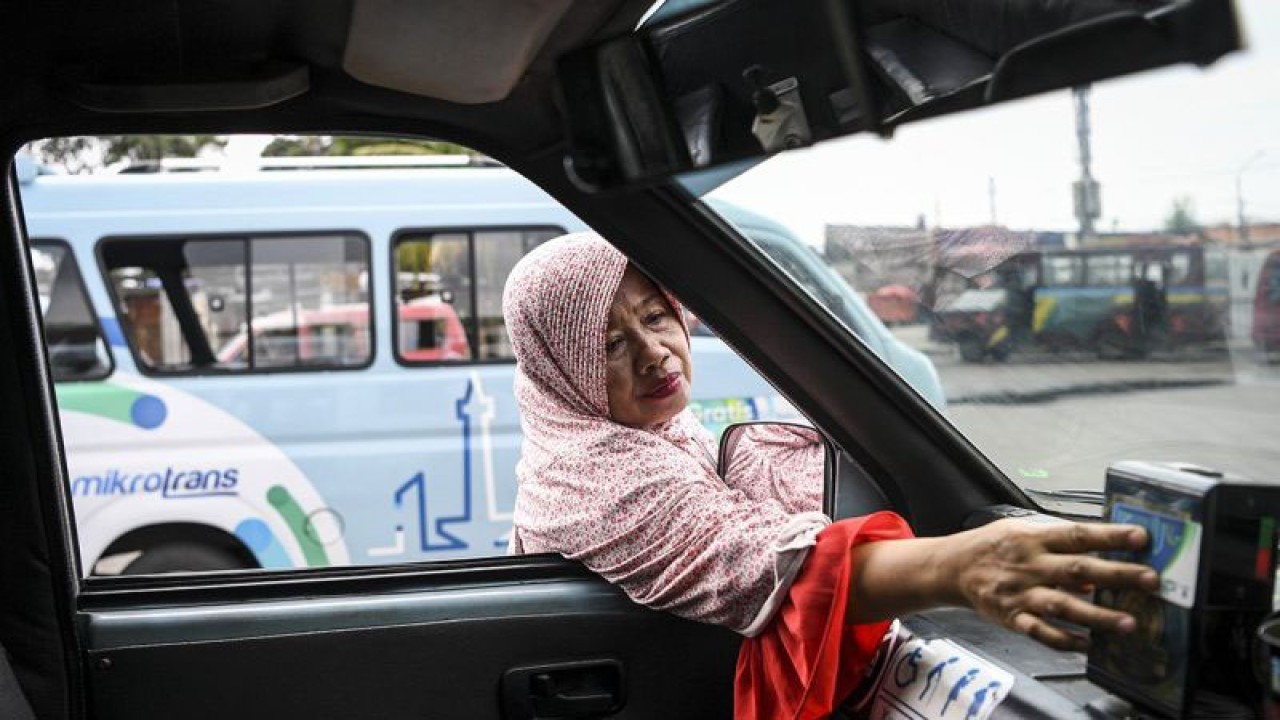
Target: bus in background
pixel 1116 302
pixel 305 368
pixel 1266 310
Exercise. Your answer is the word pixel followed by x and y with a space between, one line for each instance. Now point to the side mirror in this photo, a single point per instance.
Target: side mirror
pixel 787 452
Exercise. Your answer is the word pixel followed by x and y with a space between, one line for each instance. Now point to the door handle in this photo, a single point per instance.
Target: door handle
pixel 581 689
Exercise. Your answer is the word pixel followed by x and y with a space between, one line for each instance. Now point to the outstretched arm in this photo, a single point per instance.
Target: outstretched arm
pixel 1014 572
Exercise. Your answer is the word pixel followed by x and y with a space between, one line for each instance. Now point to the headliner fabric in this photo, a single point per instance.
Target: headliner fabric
pixel 462 51
pixel 642 507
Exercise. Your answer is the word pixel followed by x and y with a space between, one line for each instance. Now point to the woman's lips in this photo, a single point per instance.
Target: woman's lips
pixel 665 389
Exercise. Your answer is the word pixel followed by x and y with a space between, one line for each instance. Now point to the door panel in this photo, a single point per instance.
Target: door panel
pixel 438 650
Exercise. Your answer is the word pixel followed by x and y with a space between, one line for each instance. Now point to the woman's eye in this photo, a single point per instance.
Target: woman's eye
pixel 655 317
pixel 612 344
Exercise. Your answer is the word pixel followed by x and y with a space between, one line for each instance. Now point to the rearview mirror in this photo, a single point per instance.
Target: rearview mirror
pixel 738 79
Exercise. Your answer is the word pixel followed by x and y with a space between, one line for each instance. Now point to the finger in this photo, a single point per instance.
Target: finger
pixel 1046 634
pixel 1075 571
pixel 1048 603
pixel 1092 537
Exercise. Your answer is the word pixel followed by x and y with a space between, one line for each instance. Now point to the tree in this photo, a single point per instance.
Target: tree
pixel 73 154
pixel 87 153
pixel 1182 218
pixel 157 147
pixel 341 146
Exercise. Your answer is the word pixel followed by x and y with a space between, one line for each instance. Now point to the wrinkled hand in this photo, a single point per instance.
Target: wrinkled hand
pixel 1022 574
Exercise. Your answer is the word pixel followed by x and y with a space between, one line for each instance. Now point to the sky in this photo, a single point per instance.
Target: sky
pixel 1181 132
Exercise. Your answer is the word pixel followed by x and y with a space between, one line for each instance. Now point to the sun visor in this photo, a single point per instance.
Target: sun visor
pixel 462 51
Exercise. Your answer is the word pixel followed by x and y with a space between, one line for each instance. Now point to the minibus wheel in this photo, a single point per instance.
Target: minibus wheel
pixel 180 556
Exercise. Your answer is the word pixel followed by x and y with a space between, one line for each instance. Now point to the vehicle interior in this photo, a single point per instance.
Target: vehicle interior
pixel 541 87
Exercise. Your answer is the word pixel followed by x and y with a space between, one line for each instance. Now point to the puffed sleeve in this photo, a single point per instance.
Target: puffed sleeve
pixel 669 533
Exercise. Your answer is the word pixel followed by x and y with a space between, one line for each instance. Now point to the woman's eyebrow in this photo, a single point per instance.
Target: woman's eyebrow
pixel 652 297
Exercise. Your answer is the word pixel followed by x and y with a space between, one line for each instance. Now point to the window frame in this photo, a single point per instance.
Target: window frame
pixel 246 237
pixel 469 325
pixel 69 250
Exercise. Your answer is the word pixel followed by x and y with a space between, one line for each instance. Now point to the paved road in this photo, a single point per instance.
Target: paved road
pixel 1056 422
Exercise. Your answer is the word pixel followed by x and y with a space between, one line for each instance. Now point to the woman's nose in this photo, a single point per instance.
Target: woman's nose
pixel 653 354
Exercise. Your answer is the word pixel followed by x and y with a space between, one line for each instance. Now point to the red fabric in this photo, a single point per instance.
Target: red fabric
pixel 808 659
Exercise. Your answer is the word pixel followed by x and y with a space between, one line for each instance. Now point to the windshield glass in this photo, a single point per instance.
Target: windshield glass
pixel 1074 279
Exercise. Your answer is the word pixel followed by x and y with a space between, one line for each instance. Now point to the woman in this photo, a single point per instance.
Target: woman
pixel 616 473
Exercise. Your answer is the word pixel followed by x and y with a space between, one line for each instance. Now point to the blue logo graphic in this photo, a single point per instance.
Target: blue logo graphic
pixel 418 485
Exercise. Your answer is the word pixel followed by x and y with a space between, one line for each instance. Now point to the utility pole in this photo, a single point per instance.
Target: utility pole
pixel 1086 192
pixel 991 198
pixel 1242 225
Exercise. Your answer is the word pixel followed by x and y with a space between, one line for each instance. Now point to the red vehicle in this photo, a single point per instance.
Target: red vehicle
pixel 1266 309
pixel 895 304
pixel 339 335
pixel 430 330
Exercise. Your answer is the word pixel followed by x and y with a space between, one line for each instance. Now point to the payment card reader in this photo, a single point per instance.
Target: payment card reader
pixel 1213 541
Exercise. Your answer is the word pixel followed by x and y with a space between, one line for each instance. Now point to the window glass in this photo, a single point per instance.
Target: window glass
pixel 1063 343
pixel 811 271
pixel 144 308
pixel 240 297
pixel 1180 268
pixel 1109 270
pixel 496 253
pixel 231 304
pixel 449 308
pixel 75 344
pixel 215 279
pixel 1064 271
pixel 433 293
pixel 310 304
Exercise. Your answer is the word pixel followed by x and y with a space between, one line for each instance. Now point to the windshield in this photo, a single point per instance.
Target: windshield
pixel 1084 275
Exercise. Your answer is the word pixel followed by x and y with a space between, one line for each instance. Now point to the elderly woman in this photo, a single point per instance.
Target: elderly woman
pixel 617 473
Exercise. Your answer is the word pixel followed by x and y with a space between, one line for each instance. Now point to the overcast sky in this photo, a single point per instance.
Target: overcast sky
pixel 1157 136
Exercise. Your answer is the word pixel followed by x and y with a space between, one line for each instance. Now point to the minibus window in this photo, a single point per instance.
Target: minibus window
pixel 76 347
pixel 309 302
pixel 1063 271
pixel 449 292
pixel 497 252
pixel 1109 270
pixel 236 304
pixel 1180 269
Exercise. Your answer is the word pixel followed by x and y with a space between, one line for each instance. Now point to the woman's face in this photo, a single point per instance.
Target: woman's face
pixel 647 352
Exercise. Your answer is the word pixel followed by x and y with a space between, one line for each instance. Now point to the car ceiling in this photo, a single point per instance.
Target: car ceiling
pixel 397 58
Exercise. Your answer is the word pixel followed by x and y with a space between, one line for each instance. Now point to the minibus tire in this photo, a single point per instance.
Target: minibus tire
pixel 183 557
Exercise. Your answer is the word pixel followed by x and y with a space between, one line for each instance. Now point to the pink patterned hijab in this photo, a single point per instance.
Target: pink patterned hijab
pixel 642 507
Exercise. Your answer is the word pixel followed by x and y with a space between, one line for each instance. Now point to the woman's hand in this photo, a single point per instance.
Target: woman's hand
pixel 1023 574
pixel 1017 572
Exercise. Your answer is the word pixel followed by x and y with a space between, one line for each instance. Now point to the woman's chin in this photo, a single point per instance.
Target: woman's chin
pixel 655 411
pixel 669 407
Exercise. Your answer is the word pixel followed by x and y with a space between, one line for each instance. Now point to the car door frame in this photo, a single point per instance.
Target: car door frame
pixel 892 435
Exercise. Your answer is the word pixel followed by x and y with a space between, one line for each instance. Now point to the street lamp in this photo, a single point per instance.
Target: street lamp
pixel 1242 227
